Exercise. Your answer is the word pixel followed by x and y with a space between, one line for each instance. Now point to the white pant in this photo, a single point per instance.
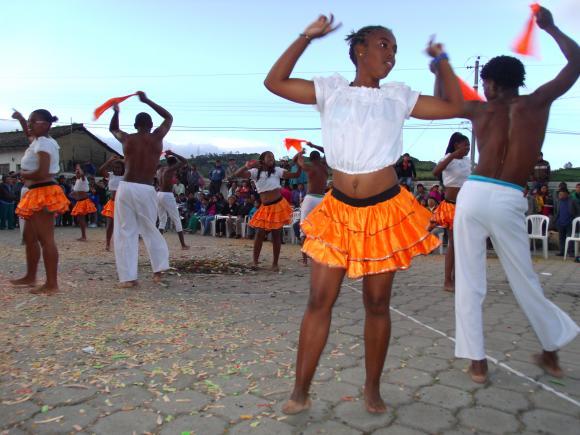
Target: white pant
pixel 136 213
pixel 490 210
pixel 167 206
pixel 308 204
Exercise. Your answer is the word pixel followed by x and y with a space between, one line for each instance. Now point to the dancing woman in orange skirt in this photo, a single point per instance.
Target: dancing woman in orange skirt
pixel 455 168
pixel 275 211
pixel 42 200
pixel 115 163
pixel 366 226
pixel 84 205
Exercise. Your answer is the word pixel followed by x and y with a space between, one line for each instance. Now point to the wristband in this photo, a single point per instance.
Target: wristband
pixel 305 36
pixel 439 58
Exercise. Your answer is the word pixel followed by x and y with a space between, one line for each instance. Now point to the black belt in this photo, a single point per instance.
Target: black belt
pixel 45 184
pixel 276 201
pixel 391 192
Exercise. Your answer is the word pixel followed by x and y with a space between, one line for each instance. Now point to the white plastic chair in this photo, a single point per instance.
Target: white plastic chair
pixel 537 227
pixel 573 237
pixel 244 227
pixel 290 228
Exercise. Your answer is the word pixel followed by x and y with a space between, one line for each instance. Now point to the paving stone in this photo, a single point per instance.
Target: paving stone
pixel 396 395
pixel 233 407
pixel 551 422
pixel 409 377
pixel 507 381
pixel 130 377
pixel 545 400
pixel 274 389
pixel 263 426
pixel 352 375
pixel 330 428
pixel 122 399
pixel 12 414
pixel 426 417
pixel 488 419
pixel 318 412
pixel 231 385
pixel 333 391
pixel 78 415
pixel 458 379
pixel 194 424
pixel 126 422
pixel 65 395
pixel 446 397
pixel 396 429
pixel 507 401
pixel 181 402
pixel 354 414
pixel 428 364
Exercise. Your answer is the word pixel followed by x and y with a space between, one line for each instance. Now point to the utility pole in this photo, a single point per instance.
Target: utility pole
pixel 473 139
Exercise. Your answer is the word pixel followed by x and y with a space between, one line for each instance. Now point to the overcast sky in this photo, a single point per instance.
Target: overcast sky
pixel 205 61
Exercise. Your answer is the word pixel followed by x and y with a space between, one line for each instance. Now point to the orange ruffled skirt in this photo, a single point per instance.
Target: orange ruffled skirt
pixel 48 197
pixel 366 240
pixel 444 214
pixel 272 216
pixel 109 209
pixel 84 207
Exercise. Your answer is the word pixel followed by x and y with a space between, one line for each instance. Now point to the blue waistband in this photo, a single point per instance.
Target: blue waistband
pixel 495 181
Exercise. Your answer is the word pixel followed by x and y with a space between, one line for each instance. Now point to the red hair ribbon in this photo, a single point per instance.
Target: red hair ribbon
pixel 294 143
pixel 525 44
pixel 108 104
pixel 469 94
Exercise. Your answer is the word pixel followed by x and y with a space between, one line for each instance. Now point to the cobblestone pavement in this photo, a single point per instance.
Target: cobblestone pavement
pixel 209 354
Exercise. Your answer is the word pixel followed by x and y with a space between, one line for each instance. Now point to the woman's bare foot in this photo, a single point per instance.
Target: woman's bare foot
pixel 275 268
pixel 128 284
pixel 26 282
pixel 157 277
pixel 449 287
pixel 185 247
pixel 108 248
pixel 82 239
pixel 549 362
pixel 45 289
pixel 374 403
pixel 478 371
pixel 292 407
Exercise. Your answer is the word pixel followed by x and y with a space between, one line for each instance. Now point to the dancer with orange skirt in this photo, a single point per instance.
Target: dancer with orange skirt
pixel 84 205
pixel 275 211
pixel 455 167
pixel 115 163
pixel 366 226
pixel 41 201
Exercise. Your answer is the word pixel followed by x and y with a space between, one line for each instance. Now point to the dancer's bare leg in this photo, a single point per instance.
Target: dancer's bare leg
pixel 44 224
pixel 324 288
pixel 82 220
pixel 376 297
pixel 449 285
pixel 182 241
pixel 109 235
pixel 258 242
pixel 32 256
pixel 276 245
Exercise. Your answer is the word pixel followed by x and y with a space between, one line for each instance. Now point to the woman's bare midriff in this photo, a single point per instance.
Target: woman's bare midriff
pixel 451 193
pixel 365 185
pixel 270 196
pixel 29 183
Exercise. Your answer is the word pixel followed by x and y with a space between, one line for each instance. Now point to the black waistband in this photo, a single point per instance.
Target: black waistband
pixel 45 184
pixel 449 201
pixel 276 201
pixel 391 192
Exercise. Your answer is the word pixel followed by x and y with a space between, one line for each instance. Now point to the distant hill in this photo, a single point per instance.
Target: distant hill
pixel 570 175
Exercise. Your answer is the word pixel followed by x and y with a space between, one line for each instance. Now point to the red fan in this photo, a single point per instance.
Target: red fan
pixel 525 43
pixel 469 94
pixel 108 104
pixel 294 143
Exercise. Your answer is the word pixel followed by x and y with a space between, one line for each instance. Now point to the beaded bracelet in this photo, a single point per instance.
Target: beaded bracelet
pixel 305 36
pixel 439 58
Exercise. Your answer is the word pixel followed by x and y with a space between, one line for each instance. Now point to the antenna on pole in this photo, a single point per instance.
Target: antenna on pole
pixel 473 138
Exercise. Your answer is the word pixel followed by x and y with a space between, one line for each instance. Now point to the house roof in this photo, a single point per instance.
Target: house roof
pixel 15 139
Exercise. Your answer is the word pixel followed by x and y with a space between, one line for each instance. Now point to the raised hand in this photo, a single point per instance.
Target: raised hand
pixel 321 27
pixel 116 108
pixel 17 115
pixel 142 97
pixel 434 49
pixel 544 18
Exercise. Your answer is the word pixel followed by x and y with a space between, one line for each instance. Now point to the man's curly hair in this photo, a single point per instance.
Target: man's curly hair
pixel 506 72
pixel 360 37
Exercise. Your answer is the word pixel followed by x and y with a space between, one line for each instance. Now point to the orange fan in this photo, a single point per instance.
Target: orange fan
pixel 525 43
pixel 469 94
pixel 108 104
pixel 294 143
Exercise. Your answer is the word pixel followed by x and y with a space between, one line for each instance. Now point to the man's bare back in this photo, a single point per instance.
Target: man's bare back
pixel 165 174
pixel 142 149
pixel 510 128
pixel 316 171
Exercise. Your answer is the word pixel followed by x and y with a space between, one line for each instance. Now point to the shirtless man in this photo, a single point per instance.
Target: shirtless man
pixel 166 198
pixel 317 173
pixel 136 202
pixel 510 130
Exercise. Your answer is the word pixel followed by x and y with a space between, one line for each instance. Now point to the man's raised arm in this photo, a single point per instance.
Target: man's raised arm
pixel 548 92
pixel 114 126
pixel 163 129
